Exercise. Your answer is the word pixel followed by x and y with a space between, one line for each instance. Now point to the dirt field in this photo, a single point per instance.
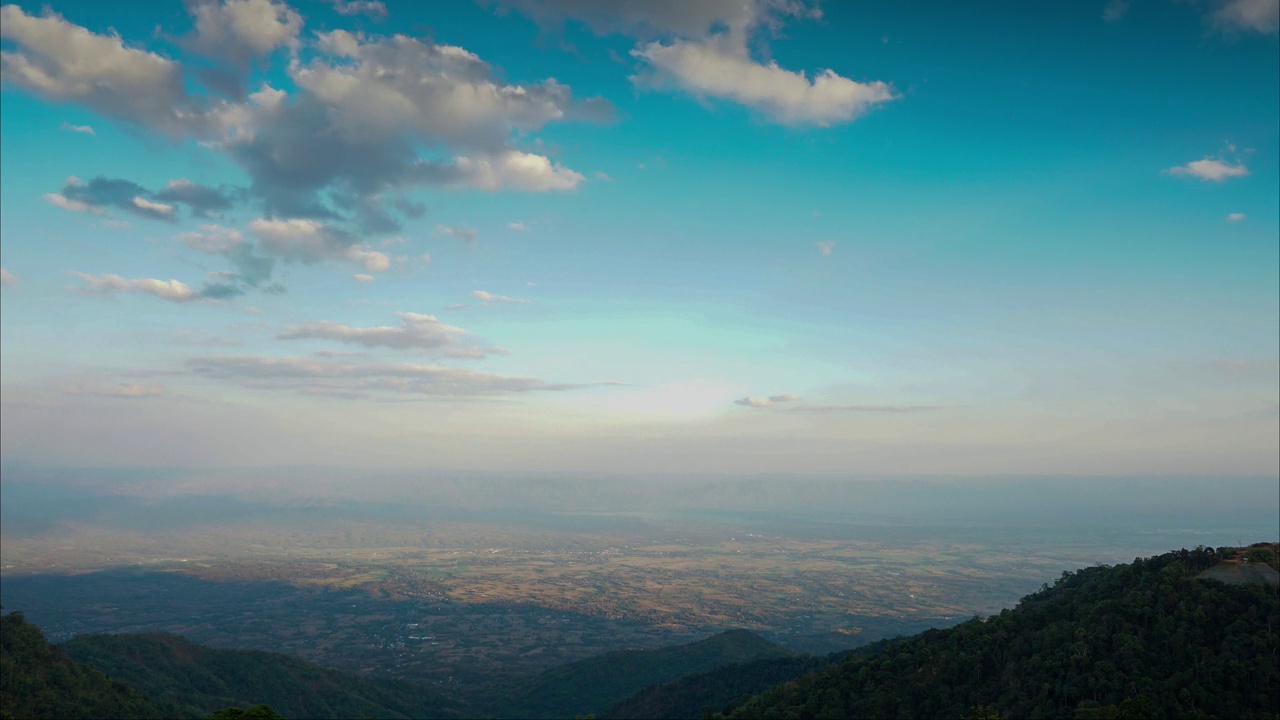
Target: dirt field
pixel 1241 574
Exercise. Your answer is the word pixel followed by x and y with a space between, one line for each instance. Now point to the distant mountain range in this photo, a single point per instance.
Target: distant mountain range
pixel 1160 637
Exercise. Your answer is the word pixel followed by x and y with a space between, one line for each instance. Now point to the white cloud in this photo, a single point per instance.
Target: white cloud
pixel 415 331
pixel 64 62
pixel 703 48
pixel 171 290
pixel 720 68
pixel 1236 217
pixel 297 239
pixel 517 226
pixel 154 207
pixel 372 260
pixel 66 203
pixel 826 247
pixel 7 279
pixel 310 241
pixel 511 170
pixel 487 297
pixel 1261 16
pixel 362 278
pixel 83 129
pixel 240 30
pixel 1210 170
pixel 342 142
pixel 457 232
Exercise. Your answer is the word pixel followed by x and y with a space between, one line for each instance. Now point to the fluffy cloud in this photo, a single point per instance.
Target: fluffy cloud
pixel 1261 16
pixel 416 331
pixel 366 114
pixel 753 401
pixel 364 109
pixel 171 290
pixel 1210 170
pixel 1236 217
pixel 363 278
pixel 703 48
pixel 101 193
pixel 826 247
pixel 354 380
pixel 720 68
pixel 204 201
pixel 511 170
pixel 517 226
pixel 310 241
pixel 220 286
pixel 82 129
pixel 63 62
pixel 487 297
pixel 7 279
pixel 240 30
pixel 66 203
pixel 252 268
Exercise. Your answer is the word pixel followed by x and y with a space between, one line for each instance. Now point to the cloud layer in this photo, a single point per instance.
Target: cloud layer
pixel 354 381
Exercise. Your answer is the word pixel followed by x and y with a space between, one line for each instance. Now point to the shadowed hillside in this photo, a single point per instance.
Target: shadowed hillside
pixel 594 685
pixel 39 681
pixel 192 680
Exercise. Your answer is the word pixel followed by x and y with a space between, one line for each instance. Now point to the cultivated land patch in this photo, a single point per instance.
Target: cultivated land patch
pixel 1242 574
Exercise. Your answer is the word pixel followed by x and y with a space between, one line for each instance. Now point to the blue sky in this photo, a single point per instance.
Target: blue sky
pixel 725 236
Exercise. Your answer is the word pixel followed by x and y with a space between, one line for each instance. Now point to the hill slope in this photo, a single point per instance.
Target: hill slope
pixel 690 696
pixel 192 680
pixel 1145 639
pixel 38 681
pixel 594 685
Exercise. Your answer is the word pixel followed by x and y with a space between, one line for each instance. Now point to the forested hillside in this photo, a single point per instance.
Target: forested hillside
pixel 692 695
pixel 1145 639
pixel 594 685
pixel 191 680
pixel 38 681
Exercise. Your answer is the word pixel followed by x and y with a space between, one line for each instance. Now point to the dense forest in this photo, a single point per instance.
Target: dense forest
pixel 191 680
pixel 161 676
pixel 692 695
pixel 1147 639
pixel 592 686
pixel 38 681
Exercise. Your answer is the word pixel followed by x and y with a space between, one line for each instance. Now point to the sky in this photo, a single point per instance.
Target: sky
pixel 731 236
